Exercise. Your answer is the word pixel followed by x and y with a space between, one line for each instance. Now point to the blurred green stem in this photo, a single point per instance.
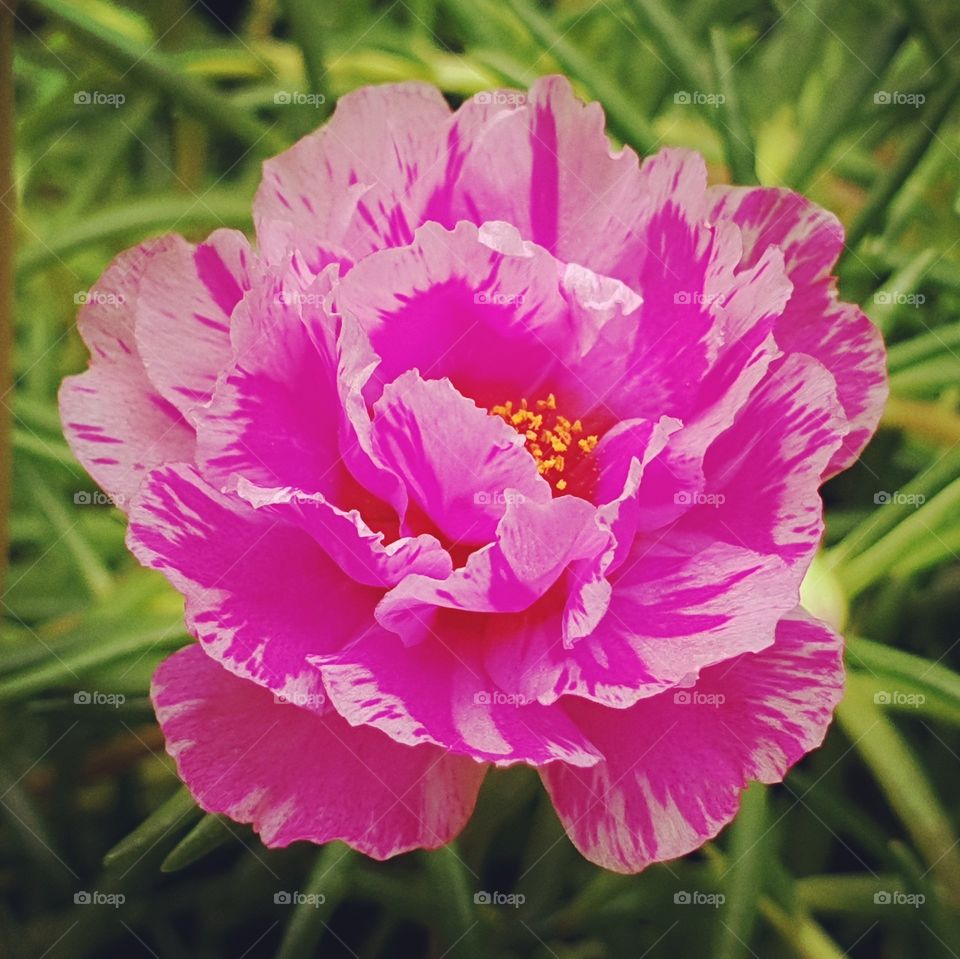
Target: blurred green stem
pixel 8 201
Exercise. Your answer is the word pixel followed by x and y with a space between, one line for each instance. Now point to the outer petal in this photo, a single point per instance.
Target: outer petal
pixel 115 420
pixel 839 335
pixel 438 692
pixel 676 607
pixel 295 775
pixel 675 764
pixel 261 595
pixel 359 183
pixel 186 298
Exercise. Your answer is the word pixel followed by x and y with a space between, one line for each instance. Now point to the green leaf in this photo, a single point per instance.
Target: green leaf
pixel 208 834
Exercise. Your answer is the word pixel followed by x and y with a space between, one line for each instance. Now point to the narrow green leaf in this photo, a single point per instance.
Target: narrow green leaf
pixel 454 898
pixel 937 108
pixel 902 779
pixel 735 132
pixel 147 66
pixel 208 834
pixel 327 885
pixel 743 875
pixel 165 822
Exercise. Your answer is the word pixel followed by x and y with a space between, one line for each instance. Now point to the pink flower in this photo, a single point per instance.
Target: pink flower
pixel 501 448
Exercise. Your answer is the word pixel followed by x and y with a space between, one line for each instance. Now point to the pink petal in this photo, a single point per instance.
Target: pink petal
pixel 675 764
pixel 360 182
pixel 839 335
pixel 298 776
pixel 438 692
pixel 117 424
pixel 261 594
pixel 275 417
pixel 186 297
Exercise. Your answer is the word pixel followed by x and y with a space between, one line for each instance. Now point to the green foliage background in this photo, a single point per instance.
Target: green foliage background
pixel 804 869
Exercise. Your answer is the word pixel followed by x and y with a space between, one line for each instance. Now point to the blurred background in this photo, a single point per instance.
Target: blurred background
pixel 134 119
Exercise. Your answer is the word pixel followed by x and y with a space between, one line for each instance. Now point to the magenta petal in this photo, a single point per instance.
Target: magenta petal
pixel 260 594
pixel 377 681
pixel 455 459
pixel 675 764
pixel 298 776
pixel 187 295
pixel 275 416
pixel 116 422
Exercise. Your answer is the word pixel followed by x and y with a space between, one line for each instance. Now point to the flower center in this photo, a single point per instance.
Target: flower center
pixel 559 445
